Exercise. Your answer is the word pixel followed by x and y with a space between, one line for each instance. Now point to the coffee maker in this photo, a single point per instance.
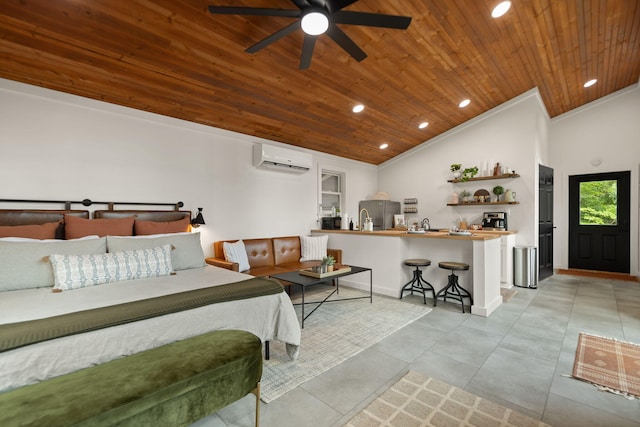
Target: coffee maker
pixel 497 220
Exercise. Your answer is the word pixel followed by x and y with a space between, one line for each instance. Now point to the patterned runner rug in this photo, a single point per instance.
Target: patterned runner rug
pixel 332 334
pixel 609 364
pixel 419 401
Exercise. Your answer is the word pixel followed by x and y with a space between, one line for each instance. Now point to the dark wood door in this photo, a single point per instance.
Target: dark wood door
pixel 599 221
pixel 545 222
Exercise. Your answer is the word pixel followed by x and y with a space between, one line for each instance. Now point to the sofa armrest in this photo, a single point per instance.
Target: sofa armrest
pixel 223 263
pixel 336 254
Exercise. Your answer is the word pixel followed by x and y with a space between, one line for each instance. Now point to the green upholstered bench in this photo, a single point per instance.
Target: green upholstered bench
pixel 173 385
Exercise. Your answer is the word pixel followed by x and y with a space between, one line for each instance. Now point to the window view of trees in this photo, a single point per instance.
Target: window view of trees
pixel 599 203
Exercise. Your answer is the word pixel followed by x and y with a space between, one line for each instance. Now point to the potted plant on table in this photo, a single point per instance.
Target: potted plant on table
pixel 329 261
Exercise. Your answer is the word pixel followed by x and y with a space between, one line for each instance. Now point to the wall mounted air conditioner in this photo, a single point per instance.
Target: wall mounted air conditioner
pixel 281 159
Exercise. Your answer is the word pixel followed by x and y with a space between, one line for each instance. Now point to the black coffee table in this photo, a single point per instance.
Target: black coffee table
pixel 295 278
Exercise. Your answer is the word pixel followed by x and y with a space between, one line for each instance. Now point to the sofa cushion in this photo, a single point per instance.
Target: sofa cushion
pixel 286 249
pixel 260 252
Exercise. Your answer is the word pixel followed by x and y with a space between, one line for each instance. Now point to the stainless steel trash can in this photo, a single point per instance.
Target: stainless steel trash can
pixel 525 266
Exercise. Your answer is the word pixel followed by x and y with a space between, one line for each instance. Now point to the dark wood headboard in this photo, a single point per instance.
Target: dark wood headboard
pixel 38 216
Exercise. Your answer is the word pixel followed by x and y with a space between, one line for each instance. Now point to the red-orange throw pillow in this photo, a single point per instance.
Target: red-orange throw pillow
pixel 161 227
pixel 35 231
pixel 75 227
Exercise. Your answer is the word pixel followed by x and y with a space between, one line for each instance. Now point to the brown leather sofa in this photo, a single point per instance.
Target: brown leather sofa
pixel 269 256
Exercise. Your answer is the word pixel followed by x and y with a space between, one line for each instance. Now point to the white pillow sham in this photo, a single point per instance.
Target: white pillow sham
pixel 236 252
pixel 81 271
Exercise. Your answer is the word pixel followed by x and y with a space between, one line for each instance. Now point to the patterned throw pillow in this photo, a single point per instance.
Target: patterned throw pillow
pixel 80 271
pixel 313 248
pixel 236 252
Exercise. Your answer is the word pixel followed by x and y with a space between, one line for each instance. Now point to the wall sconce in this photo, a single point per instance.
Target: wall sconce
pixel 198 220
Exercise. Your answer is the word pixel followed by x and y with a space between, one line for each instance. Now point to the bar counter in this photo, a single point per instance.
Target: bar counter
pixel 385 252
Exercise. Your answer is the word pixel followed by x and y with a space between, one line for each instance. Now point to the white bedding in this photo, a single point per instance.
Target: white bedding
pixel 270 317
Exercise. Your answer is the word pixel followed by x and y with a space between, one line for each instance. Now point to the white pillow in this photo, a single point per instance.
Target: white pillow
pixel 81 271
pixel 23 264
pixel 187 251
pixel 236 252
pixel 313 248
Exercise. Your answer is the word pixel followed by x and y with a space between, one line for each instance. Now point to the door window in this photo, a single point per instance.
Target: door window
pixel 599 202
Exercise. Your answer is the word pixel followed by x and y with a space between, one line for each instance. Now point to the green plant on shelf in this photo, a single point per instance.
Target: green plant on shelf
pixel 469 173
pixel 498 190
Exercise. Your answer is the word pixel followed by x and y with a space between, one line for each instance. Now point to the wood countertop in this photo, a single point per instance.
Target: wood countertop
pixel 435 234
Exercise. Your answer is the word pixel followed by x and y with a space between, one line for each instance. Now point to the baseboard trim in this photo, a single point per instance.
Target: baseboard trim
pixel 599 274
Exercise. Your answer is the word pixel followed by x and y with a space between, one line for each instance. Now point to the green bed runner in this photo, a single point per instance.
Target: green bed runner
pixel 15 335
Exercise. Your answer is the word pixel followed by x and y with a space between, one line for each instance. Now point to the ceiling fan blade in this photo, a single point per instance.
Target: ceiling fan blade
pixel 345 42
pixel 307 51
pixel 337 5
pixel 256 11
pixel 273 37
pixel 371 19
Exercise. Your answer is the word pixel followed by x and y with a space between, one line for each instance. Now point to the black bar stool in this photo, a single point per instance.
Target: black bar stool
pixel 453 290
pixel 417 283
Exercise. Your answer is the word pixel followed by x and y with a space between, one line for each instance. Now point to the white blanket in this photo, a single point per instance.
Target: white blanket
pixel 270 317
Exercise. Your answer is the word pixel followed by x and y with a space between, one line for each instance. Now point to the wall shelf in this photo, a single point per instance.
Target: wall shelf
pixel 485 178
pixel 482 203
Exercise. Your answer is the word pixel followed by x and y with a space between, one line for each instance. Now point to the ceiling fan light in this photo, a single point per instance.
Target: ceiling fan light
pixel 501 9
pixel 315 23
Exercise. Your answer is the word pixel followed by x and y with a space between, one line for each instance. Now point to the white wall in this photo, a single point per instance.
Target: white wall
pixel 513 134
pixel 608 131
pixel 57 146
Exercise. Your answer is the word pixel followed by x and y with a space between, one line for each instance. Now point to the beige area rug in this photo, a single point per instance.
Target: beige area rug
pixel 609 364
pixel 507 294
pixel 418 401
pixel 332 334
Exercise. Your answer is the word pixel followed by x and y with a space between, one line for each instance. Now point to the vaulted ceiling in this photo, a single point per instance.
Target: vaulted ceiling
pixel 173 58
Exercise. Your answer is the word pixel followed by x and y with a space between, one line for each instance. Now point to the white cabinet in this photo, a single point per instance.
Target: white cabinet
pixel 507 243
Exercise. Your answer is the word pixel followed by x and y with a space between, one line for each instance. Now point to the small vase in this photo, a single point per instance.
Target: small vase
pixel 456 175
pixel 329 268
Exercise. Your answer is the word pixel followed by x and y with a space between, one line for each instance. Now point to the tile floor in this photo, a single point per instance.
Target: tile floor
pixel 517 357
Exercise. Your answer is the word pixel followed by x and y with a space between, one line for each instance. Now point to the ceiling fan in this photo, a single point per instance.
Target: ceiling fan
pixel 316 18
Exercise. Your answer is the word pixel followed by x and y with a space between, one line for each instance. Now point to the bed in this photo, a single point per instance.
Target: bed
pixel 28 281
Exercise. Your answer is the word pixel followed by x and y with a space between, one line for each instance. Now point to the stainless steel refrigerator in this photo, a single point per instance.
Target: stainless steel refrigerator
pixel 381 211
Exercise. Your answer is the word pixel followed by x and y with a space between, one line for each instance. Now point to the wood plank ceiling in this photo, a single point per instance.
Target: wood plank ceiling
pixel 173 58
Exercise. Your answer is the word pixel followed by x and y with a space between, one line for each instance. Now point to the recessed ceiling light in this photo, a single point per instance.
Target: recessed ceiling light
pixel 464 103
pixel 423 125
pixel 383 146
pixel 591 82
pixel 315 22
pixel 358 108
pixel 501 9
